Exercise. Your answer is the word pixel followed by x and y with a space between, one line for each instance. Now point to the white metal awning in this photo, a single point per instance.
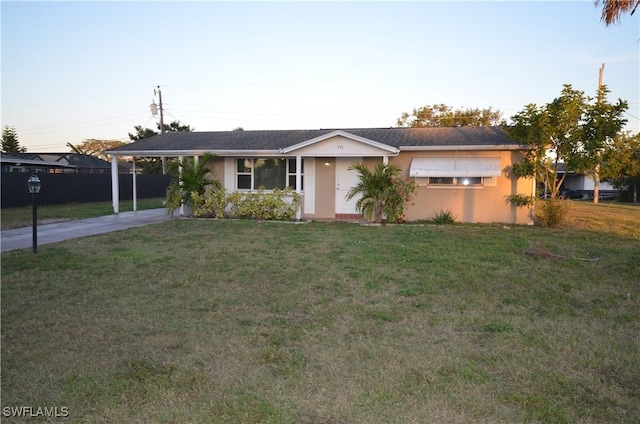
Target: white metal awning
pixel 455 167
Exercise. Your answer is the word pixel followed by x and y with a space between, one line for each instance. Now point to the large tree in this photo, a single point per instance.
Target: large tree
pixel 571 132
pixel 612 10
pixel 444 116
pixel 621 164
pixel 95 147
pixel 10 143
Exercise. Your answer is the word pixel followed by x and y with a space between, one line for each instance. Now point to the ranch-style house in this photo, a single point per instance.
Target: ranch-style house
pixel 463 170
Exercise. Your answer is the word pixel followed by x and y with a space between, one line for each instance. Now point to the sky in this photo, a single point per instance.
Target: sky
pixel 73 71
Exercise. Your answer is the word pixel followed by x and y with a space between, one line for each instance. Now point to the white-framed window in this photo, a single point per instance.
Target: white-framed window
pixel 268 173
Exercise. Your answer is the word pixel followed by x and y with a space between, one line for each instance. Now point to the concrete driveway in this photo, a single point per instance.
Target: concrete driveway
pixel 21 238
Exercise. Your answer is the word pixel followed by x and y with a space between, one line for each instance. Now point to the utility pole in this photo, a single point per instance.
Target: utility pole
pixel 162 112
pixel 154 111
pixel 596 174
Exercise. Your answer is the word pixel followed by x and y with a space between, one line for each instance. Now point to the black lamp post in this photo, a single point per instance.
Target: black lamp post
pixel 34 188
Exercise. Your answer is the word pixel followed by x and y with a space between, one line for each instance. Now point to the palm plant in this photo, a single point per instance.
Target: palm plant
pixel 612 10
pixel 189 176
pixel 373 189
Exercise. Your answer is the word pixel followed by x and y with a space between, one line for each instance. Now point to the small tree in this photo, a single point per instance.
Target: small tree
pixel 621 164
pixel 10 142
pixel 553 134
pixel 381 192
pixel 571 130
pixel 602 122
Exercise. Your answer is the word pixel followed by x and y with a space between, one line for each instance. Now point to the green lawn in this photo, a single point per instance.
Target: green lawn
pixel 203 321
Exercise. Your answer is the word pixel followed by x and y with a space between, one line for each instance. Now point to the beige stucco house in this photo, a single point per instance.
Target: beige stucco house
pixel 459 169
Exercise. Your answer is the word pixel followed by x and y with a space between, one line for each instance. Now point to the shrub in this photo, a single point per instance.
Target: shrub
pixel 444 217
pixel 399 193
pixel 520 200
pixel 264 205
pixel 210 204
pixel 553 212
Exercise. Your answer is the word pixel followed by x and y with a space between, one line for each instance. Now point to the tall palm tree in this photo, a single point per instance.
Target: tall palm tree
pixel 372 189
pixel 613 9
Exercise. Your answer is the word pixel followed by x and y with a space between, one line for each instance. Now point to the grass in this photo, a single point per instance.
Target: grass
pixel 48 214
pixel 207 321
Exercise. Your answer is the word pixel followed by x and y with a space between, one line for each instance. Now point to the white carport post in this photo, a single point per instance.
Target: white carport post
pixel 135 186
pixel 299 185
pixel 181 184
pixel 115 188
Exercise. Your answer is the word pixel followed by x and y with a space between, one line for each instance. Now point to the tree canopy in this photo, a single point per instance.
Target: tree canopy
pixel 10 143
pixel 174 126
pixel 95 147
pixel 154 165
pixel 444 116
pixel 621 163
pixel 572 131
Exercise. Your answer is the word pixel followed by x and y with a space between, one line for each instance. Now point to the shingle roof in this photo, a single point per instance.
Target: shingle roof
pixel 273 140
pixel 66 159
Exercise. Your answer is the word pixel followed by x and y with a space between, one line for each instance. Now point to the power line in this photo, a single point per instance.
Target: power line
pixel 82 121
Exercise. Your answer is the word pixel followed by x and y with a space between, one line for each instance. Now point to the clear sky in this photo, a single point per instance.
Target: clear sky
pixel 78 70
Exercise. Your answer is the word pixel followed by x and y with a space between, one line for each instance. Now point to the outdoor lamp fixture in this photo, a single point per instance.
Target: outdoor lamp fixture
pixel 34 188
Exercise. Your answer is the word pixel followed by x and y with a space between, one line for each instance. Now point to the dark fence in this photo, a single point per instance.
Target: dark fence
pixel 78 188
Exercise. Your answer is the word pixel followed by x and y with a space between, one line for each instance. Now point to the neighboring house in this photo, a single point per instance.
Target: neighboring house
pixel 19 162
pixel 580 186
pixel 457 169
pixel 56 163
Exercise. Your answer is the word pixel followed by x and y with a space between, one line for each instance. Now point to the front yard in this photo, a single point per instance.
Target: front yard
pixel 206 321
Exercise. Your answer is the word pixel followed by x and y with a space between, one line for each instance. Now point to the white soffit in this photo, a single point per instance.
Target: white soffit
pixel 455 167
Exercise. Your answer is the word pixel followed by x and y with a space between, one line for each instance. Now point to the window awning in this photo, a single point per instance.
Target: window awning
pixel 455 167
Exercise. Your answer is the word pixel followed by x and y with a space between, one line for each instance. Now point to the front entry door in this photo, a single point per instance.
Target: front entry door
pixel 345 179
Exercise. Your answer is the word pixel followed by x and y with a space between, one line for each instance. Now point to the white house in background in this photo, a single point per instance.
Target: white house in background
pixel 457 169
pixel 581 186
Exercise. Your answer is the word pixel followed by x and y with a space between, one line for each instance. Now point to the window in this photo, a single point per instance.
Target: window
pixel 467 181
pixel 440 180
pixel 269 173
pixel 457 171
pixel 463 181
pixel 291 173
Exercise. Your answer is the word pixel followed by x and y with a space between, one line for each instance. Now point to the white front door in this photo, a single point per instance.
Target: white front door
pixel 345 179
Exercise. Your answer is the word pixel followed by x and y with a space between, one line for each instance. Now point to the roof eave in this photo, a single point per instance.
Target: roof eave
pixel 200 152
pixel 485 147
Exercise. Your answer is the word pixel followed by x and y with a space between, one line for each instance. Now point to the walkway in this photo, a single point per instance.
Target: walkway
pixel 21 238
